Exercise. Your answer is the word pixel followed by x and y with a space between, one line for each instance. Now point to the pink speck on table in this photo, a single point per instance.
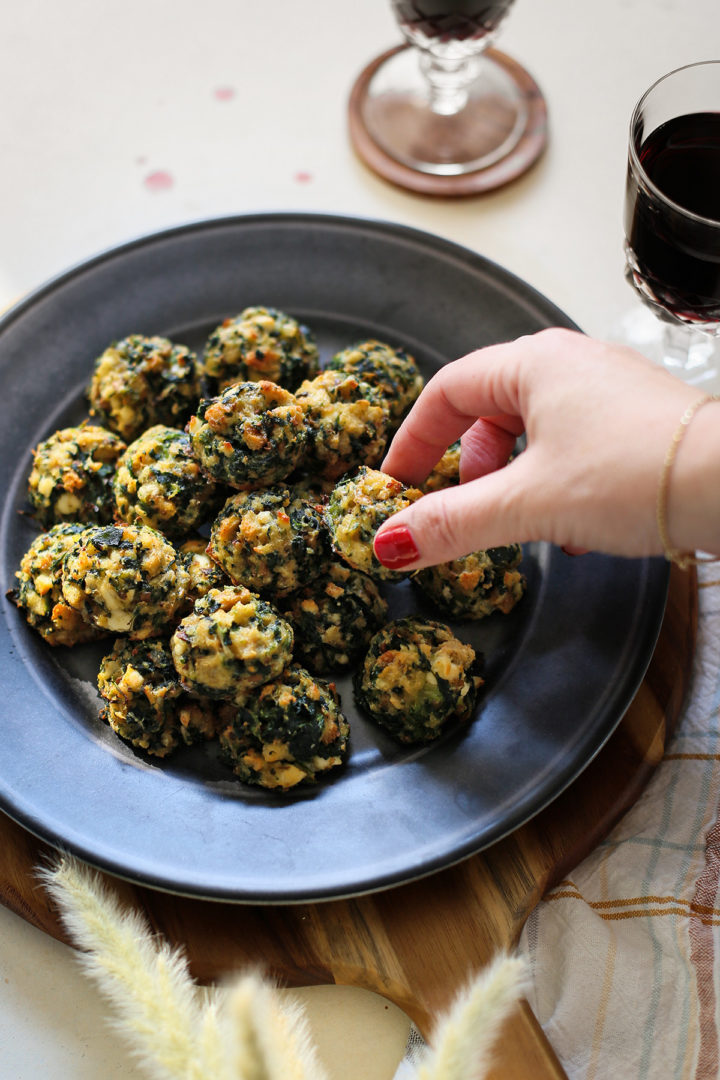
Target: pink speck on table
pixel 224 93
pixel 303 177
pixel 159 181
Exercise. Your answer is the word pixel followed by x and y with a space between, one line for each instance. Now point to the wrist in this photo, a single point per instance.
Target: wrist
pixel 692 476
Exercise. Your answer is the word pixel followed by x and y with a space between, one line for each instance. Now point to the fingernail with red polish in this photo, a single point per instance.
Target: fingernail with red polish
pixel 570 550
pixel 395 547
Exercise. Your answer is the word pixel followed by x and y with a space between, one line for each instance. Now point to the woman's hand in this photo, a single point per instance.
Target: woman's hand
pixel 598 420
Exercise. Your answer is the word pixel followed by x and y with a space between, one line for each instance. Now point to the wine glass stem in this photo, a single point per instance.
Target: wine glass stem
pixel 676 340
pixel 449 80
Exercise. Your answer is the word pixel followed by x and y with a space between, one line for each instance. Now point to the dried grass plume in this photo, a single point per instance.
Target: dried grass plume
pixel 245 1031
pixel 463 1040
pixel 176 1030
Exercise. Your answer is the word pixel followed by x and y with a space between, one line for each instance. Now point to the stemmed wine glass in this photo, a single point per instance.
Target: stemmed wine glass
pixel 672 214
pixel 445 107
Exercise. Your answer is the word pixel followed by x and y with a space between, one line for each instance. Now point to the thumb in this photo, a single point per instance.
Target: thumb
pixel 490 511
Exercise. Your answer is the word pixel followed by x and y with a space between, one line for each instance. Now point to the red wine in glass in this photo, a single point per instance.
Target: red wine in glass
pixel 449 20
pixel 672 219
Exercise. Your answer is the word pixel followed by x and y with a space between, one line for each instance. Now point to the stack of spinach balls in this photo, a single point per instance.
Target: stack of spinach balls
pixel 214 516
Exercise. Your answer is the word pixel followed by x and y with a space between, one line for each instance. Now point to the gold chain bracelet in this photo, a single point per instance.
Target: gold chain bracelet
pixel 683 559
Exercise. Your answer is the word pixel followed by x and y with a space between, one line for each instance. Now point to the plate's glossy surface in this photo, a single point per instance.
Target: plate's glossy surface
pixel 560 669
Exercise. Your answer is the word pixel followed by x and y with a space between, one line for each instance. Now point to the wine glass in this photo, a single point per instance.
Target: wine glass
pixel 445 107
pixel 672 215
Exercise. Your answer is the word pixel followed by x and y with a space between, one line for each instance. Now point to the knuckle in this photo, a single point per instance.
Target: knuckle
pixel 557 336
pixel 453 411
pixel 439 523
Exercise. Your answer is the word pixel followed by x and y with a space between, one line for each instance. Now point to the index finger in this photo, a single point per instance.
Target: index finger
pixel 482 384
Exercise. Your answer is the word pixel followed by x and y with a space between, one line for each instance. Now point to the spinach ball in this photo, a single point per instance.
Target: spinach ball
pixel 334 618
pixel 269 540
pixel 357 507
pixel 447 471
pixel 252 435
pixel 291 732
pixel 394 372
pixel 259 343
pixel 71 477
pixel 159 482
pixel 347 420
pixel 416 678
pixel 477 584
pixel 203 572
pixel 39 592
pixel 125 578
pixel 146 704
pixel 231 643
pixel 141 381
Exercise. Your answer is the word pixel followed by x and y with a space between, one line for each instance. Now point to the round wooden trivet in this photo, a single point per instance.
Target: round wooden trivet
pixel 419 943
pixel 525 153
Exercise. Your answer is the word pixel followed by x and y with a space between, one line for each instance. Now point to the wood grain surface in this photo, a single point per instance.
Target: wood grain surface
pixel 417 944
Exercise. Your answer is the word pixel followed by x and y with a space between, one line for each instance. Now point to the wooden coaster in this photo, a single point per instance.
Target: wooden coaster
pixel 418 944
pixel 520 158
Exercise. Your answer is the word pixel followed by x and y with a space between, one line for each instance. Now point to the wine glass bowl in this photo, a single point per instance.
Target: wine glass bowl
pixel 433 20
pixel 445 104
pixel 672 208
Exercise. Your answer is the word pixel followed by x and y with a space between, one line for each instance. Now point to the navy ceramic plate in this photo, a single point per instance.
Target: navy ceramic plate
pixel 561 669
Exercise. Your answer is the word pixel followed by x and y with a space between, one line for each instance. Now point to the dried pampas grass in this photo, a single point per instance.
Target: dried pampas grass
pixel 178 1031
pixel 280 1037
pixel 463 1040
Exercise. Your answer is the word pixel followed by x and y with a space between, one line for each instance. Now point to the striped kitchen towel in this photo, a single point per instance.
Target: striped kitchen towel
pixel 625 952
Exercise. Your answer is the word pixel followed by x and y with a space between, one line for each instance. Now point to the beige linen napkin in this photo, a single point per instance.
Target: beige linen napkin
pixel 625 953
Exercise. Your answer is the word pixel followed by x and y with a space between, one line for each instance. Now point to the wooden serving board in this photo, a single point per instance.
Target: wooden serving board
pixel 418 944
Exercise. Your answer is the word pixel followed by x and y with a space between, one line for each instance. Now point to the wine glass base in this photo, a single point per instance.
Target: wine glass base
pixel 499 134
pixel 692 356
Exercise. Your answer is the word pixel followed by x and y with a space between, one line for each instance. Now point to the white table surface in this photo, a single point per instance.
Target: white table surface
pixel 243 105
